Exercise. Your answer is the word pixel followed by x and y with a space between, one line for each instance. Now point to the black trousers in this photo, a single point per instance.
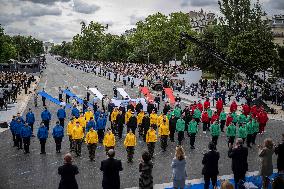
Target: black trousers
pixel 46 123
pixel 222 125
pixel 239 177
pixel 164 142
pixel 254 137
pixel 14 139
pixel 120 131
pixel 71 143
pixel 26 142
pixel 42 145
pixel 78 145
pixel 172 135
pixel 215 140
pixel 151 148
pixel 140 130
pixel 92 150
pixel 133 129
pixel 32 127
pixel 197 120
pixel 205 126
pixel 207 181
pixel 43 102
pixel 180 137
pixel 60 98
pixel 19 141
pixel 249 139
pixel 61 122
pixel 231 140
pixel 130 153
pixel 58 143
pixel 101 133
pixel 192 139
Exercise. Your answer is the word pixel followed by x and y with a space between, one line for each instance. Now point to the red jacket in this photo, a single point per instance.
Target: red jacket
pixel 262 117
pixel 193 108
pixel 214 118
pixel 206 104
pixel 253 110
pixel 229 120
pixel 200 107
pixel 246 109
pixel 205 117
pixel 233 106
pixel 219 105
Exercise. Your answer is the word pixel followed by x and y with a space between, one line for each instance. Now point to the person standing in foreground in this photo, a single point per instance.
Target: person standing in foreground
pixel 42 135
pixel 179 171
pixel 26 133
pixel 58 133
pixel 265 153
pixel 151 139
pixel 77 136
pixel 67 173
pixel 92 140
pixel 130 143
pixel 239 156
pixel 111 168
pixel 145 168
pixel 109 140
pixel 210 166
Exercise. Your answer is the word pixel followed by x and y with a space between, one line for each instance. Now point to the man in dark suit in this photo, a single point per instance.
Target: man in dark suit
pixel 239 156
pixel 279 151
pixel 210 168
pixel 111 168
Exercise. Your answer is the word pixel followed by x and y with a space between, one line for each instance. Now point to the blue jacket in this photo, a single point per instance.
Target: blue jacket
pixel 91 124
pixel 75 112
pixel 12 126
pixel 30 118
pixel 42 133
pixel 101 123
pixel 26 132
pixel 21 118
pixel 61 114
pixel 45 115
pixel 18 127
pixel 97 115
pixel 58 131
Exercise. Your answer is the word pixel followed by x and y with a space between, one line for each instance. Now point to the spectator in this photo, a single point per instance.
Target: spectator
pixel 145 167
pixel 111 168
pixel 179 171
pixel 67 173
pixel 279 151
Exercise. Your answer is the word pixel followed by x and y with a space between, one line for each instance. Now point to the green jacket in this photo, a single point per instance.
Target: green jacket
pixel 248 118
pixel 231 130
pixel 215 129
pixel 242 118
pixel 180 126
pixel 192 127
pixel 255 125
pixel 197 113
pixel 242 133
pixel 235 117
pixel 210 112
pixel 169 115
pixel 177 112
pixel 250 129
pixel 223 116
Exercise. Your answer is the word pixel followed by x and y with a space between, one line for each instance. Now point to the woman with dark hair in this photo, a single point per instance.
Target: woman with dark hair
pixel 145 167
pixel 179 171
pixel 68 172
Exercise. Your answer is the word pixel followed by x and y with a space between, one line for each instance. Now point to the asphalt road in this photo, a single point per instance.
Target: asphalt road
pixel 40 171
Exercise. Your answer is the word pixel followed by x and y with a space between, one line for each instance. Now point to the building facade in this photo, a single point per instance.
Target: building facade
pixel 199 20
pixel 47 46
pixel 277 27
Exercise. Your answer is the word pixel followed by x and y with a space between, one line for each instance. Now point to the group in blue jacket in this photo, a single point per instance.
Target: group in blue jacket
pixel 42 135
pixel 75 112
pixel 30 119
pixel 46 117
pixel 61 115
pixel 26 133
pixel 58 134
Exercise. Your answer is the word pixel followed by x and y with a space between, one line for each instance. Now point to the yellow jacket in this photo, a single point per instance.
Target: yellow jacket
pixel 153 118
pixel 140 117
pixel 77 133
pixel 82 121
pixel 164 130
pixel 127 116
pixel 130 140
pixel 92 137
pixel 160 120
pixel 109 140
pixel 113 115
pixel 151 136
pixel 70 127
pixel 88 115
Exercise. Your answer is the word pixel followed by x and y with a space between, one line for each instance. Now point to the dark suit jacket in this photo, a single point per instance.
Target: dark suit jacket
pixel 239 159
pixel 279 150
pixel 68 180
pixel 111 168
pixel 210 162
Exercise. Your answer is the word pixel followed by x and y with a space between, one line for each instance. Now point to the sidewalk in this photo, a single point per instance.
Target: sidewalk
pixel 19 106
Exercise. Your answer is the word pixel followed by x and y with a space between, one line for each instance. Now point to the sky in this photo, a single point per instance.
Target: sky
pixel 59 20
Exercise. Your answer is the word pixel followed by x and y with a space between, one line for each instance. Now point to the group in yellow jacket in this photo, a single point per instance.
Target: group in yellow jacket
pixel 109 140
pixel 130 143
pixel 92 140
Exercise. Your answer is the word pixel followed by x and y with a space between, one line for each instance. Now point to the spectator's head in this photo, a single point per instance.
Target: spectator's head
pixel 111 153
pixel 211 146
pixel 226 185
pixel 146 157
pixel 268 143
pixel 180 153
pixel 68 158
pixel 239 142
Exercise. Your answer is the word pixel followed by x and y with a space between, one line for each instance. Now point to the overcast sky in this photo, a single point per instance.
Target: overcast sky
pixel 58 20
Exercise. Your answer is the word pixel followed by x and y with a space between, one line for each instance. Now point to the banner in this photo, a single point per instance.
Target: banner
pixel 170 94
pixel 97 93
pixel 145 91
pixel 51 99
pixel 79 100
pixel 123 93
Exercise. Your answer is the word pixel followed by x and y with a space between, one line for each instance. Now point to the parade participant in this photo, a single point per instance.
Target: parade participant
pixel 210 114
pixel 139 107
pixel 30 119
pixel 167 107
pixel 192 130
pixel 145 125
pixel 46 117
pixel 88 114
pixel 222 119
pixel 164 134
pixel 109 140
pixel 187 116
pixel 219 106
pixel 262 119
pixel 172 127
pixel 77 136
pixel 70 128
pixel 153 119
pixel 229 119
pixel 132 123
pixel 130 143
pixel 91 124
pixel 157 101
pixel 91 141
pixel 75 112
pixel 114 91
pixel 206 104
pixel 199 105
pixel 97 114
pixel 18 127
pixel 242 132
pixel 250 132
pixel 205 121
pixel 151 139
pixel 67 96
pixel 42 135
pixel 113 121
pixel 82 121
pixel 140 117
pixel 43 98
pixel 61 115
pixel 215 132
pixel 119 122
pixel 215 117
pixel 58 134
pixel 177 111
pixel 127 116
pixel 197 115
pixel 242 118
pixel 12 129
pixel 20 118
pixel 88 94
pixel 26 133
pixel 255 125
pixel 85 104
pixel 101 127
pixel 180 127
pixel 60 94
pixel 246 109
pixel 235 117
pixel 233 107
pixel 231 132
